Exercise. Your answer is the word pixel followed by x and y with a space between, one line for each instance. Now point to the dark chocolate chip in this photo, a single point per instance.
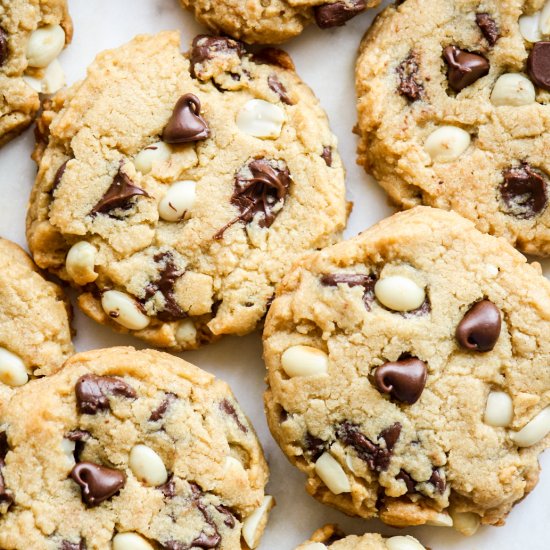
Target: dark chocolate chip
pixel 4 447
pixel 168 489
pixel 186 123
pixel 410 85
pixel 230 520
pixel 6 497
pixel 4 49
pixel 58 176
pixel 337 13
pixel 404 380
pixel 278 87
pixel 464 67
pixel 488 28
pixel 160 411
pixel 207 47
pixel 438 481
pixel 80 437
pixel 66 545
pixel 97 483
pixel 523 191
pixel 407 478
pixel 353 279
pixel 228 408
pixel 480 327
pixel 315 446
pixel 92 392
pixel 326 155
pixel 274 56
pixel 538 65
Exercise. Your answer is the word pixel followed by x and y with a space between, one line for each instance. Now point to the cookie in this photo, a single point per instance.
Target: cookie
pixel 408 372
pixel 35 335
pixel 32 34
pixel 257 21
pixel 129 449
pixel 174 190
pixel 454 112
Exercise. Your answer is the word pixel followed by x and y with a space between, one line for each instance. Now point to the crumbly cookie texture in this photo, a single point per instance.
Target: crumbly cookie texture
pixel 35 334
pixel 174 190
pixel 128 449
pixel 454 112
pixel 273 22
pixel 32 33
pixel 408 372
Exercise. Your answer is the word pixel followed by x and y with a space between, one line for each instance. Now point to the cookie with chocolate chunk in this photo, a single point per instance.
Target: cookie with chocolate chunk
pixel 175 189
pixel 129 449
pixel 454 112
pixel 408 372
pixel 32 34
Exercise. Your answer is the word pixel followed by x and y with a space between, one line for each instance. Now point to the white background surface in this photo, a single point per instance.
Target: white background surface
pixel 325 61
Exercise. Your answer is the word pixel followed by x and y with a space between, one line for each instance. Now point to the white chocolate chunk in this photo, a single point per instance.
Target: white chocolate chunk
pixel 332 474
pixel 529 27
pixel 52 81
pixel 68 448
pixel 403 543
pixel 447 143
pixel 44 45
pixel 513 89
pixel 304 361
pixel 147 466
pixel 179 198
pixel 441 520
pixel 231 462
pixel 499 410
pixel 254 524
pixel 148 157
pixel 12 369
pixel 544 22
pixel 186 331
pixel 313 546
pixel 466 523
pixel 80 263
pixel 130 541
pixel 399 293
pixel 124 310
pixel 261 119
pixel 534 431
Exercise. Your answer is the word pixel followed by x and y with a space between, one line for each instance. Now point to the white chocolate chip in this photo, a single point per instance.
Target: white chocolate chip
pixel 313 546
pixel 130 541
pixel 441 520
pixel 534 431
pixel 147 466
pixel 399 293
pixel 304 361
pixel 544 23
pixel 148 157
pixel 12 369
pixel 80 263
pixel 447 143
pixel 178 200
pixel 529 27
pixel 261 119
pixel 513 89
pixel 499 410
pixel 52 81
pixel 68 448
pixel 186 331
pixel 231 462
pixel 44 45
pixel 124 310
pixel 466 523
pixel 332 474
pixel 403 543
pixel 254 524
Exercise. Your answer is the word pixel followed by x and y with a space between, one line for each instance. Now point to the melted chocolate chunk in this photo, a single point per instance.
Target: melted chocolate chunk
pixel 278 87
pixel 523 191
pixel 207 47
pixel 92 392
pixel 315 446
pixel 160 411
pixel 66 545
pixel 409 84
pixel 168 489
pixel 488 28
pixel 404 380
pixel 230 520
pixel 538 65
pixel 337 13
pixel 479 329
pixel 326 155
pixel 80 437
pixel 4 49
pixel 424 309
pixel 274 56
pixel 186 124
pixel 228 408
pixel 353 279
pixel 464 67
pixel 438 481
pixel 97 483
pixel 409 481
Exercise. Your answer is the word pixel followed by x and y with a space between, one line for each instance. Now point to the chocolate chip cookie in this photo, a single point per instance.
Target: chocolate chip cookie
pixel 32 35
pixel 129 449
pixel 454 112
pixel 408 372
pixel 174 190
pixel 273 22
pixel 35 336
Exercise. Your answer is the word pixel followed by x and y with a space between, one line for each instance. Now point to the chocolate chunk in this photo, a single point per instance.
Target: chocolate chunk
pixel 6 497
pixel 79 437
pixel 97 483
pixel 353 279
pixel 424 309
pixel 274 56
pixel 66 545
pixel 168 489
pixel 404 380
pixel 326 155
pixel 229 520
pixel 438 481
pixel 92 392
pixel 409 84
pixel 4 49
pixel 480 327
pixel 228 408
pixel 538 65
pixel 119 195
pixel 523 191
pixel 337 13
pixel 278 87
pixel 409 481
pixel 186 123
pixel 464 67
pixel 488 28
pixel 390 435
pixel 207 47
pixel 4 447
pixel 315 446
pixel 58 176
pixel 160 411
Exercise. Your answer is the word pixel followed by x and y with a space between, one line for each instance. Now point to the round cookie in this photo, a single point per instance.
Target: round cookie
pixel 175 189
pixel 408 372
pixel 273 22
pixel 35 334
pixel 32 34
pixel 129 449
pixel 454 112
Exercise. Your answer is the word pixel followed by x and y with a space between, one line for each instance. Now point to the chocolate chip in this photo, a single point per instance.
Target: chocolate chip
pixel 66 545
pixel 438 481
pixel 4 49
pixel 464 67
pixel 404 380
pixel 229 520
pixel 160 411
pixel 119 194
pixel 4 447
pixel 274 56
pixel 390 435
pixel 186 123
pixel 278 87
pixel 480 327
pixel 315 446
pixel 538 65
pixel 58 176
pixel 409 481
pixel 337 13
pixel 523 191
pixel 326 155
pixel 207 47
pixel 168 489
pixel 488 28
pixel 228 408
pixel 80 437
pixel 97 483
pixel 353 279
pixel 92 392
pixel 6 497
pixel 409 84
